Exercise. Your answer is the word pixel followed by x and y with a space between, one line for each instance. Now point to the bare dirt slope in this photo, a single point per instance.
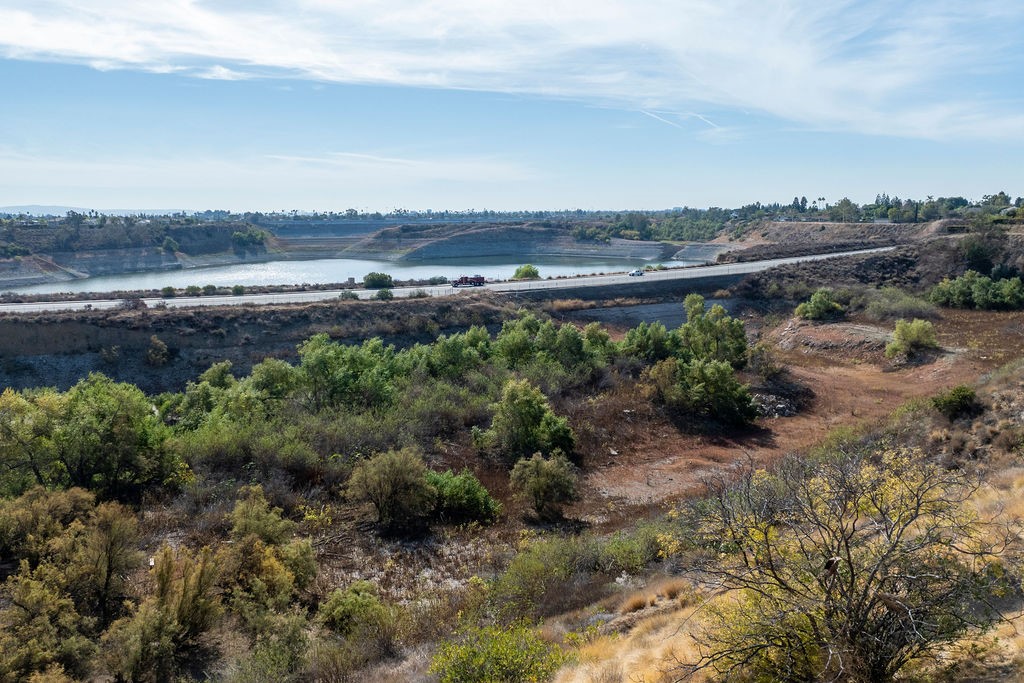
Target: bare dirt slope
pixel 640 458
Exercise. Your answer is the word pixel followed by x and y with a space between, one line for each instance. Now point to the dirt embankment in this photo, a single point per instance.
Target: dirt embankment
pixel 404 242
pixel 417 243
pixel 638 456
pixel 58 349
pixel 777 239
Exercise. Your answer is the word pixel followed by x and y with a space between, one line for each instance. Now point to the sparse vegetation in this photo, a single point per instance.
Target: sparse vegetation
pixel 846 568
pixel 959 401
pixel 821 306
pixel 911 338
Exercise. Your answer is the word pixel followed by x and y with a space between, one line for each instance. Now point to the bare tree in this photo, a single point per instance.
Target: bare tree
pixel 845 569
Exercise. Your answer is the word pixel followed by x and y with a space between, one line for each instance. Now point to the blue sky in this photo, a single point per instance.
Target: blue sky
pixel 459 104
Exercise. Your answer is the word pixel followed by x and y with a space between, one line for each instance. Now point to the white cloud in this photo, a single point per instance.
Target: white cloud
pixel 913 69
pixel 222 73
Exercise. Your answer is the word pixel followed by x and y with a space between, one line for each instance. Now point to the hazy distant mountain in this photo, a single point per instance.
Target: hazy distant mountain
pixel 42 210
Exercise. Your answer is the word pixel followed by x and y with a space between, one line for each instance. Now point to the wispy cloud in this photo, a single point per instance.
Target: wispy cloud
pixel 394 168
pixel 920 68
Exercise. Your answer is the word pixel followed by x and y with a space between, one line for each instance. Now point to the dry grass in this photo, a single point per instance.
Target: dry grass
pixel 633 603
pixel 647 654
pixel 562 305
pixel 672 588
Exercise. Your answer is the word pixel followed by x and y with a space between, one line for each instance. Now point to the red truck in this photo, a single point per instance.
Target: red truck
pixel 469 281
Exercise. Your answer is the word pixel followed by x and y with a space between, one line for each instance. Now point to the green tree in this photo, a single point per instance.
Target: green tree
pixel 648 342
pixel 526 272
pixel 395 483
pixel 28 455
pixel 712 334
pixel 546 483
pixel 109 440
pixel 332 374
pixel 524 424
pixel 704 388
pixel 378 281
pixel 845 568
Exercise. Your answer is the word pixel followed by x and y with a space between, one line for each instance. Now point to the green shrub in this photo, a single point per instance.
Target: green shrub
pixel 32 521
pixel 193 290
pixel 891 303
pixel 253 515
pixel 157 354
pixel 524 424
pixel 973 290
pixel 710 334
pixel 650 343
pixel 163 633
pixel 346 610
pixel 488 654
pixel 958 401
pixel 419 294
pixel 526 272
pixel 238 290
pixel 705 388
pixel 40 628
pixel 280 651
pixel 168 292
pixel 761 359
pixel 395 483
pixel 910 338
pixel 378 281
pixel 546 483
pixel 462 498
pixel 821 306
pixel 384 295
pixel 348 295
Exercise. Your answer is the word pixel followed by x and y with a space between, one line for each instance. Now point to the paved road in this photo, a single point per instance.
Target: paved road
pixel 621 279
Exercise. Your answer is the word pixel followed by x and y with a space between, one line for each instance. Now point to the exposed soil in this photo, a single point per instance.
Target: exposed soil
pixel 640 458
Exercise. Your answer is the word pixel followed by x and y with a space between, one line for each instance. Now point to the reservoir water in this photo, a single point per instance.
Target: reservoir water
pixel 329 271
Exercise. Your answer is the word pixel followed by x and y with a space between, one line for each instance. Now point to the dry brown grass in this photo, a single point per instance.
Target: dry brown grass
pixel 647 654
pixel 562 305
pixel 633 603
pixel 672 588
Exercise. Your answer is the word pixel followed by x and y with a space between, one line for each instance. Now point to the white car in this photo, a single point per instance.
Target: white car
pixel 636 273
